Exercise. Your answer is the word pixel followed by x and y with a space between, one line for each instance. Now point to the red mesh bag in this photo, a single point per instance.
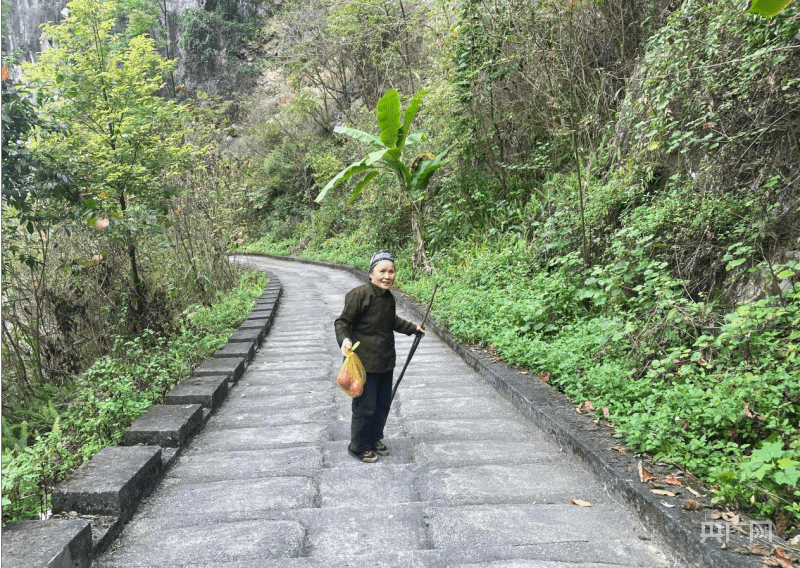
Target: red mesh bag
pixel 352 376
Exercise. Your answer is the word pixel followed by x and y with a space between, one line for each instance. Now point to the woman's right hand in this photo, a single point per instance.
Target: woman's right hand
pixel 347 345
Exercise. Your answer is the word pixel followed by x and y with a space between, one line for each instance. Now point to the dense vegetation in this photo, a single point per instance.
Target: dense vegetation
pixel 115 276
pixel 618 212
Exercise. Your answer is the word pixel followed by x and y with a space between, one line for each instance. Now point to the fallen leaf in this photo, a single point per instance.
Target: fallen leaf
pixel 750 414
pixel 692 505
pixel 619 448
pixel 585 407
pixel 523 372
pixel 730 517
pixel 740 550
pixel 672 481
pixel 693 491
pixel 605 411
pixel 670 505
pixel 662 492
pixel 645 475
pixel 782 558
pixel 715 515
pixel 580 503
pixel 741 529
pixel 756 549
pixel 545 377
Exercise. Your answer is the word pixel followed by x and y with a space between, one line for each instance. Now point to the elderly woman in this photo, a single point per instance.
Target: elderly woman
pixel 369 317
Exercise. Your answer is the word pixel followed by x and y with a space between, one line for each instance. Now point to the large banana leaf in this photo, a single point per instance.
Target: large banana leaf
pixel 416 137
pixel 388 112
pixel 361 185
pixel 353 168
pixel 767 8
pixel 399 168
pixel 411 112
pixel 425 168
pixel 359 135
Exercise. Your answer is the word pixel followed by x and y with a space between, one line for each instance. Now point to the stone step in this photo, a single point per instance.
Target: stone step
pixel 254 335
pixel 166 425
pixel 262 313
pixel 208 392
pixel 111 483
pixel 230 368
pixel 256 541
pixel 256 323
pixel 234 350
pixel 55 543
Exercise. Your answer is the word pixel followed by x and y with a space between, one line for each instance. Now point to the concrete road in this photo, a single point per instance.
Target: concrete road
pixel 469 482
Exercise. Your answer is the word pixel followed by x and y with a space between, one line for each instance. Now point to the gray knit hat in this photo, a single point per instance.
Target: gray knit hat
pixel 380 256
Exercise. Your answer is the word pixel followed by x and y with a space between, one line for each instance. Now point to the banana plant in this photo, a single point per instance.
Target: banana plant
pixel 386 157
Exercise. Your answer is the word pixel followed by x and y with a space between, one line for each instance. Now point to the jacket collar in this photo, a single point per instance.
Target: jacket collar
pixel 376 291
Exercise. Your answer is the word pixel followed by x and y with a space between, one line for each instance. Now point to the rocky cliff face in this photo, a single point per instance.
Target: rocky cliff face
pixel 22 22
pixel 219 76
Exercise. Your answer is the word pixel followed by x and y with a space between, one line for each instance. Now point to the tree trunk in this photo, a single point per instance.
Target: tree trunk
pixel 420 258
pixel 138 290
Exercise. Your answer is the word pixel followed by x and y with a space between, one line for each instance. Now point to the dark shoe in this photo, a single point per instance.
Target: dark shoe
pixel 366 456
pixel 380 448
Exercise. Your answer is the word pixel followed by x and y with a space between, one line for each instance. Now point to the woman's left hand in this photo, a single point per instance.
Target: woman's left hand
pixel 420 331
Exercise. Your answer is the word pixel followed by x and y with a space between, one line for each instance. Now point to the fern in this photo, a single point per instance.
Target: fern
pixel 15 436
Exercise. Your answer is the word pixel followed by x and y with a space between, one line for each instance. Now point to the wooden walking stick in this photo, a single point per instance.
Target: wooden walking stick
pixel 414 345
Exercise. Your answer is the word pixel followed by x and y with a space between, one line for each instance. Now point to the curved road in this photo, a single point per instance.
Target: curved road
pixel 470 482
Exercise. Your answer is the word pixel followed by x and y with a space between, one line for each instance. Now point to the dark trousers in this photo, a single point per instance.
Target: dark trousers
pixel 370 411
